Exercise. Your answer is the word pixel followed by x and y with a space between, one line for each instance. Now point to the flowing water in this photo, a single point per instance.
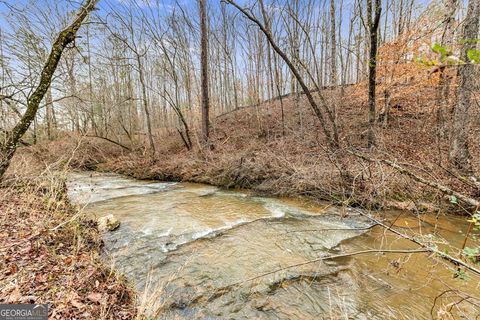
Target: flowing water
pixel 200 252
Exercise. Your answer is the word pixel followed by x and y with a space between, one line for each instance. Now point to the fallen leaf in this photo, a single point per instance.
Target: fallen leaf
pixel 14 296
pixel 28 299
pixel 95 297
pixel 41 278
pixel 77 304
pixel 12 269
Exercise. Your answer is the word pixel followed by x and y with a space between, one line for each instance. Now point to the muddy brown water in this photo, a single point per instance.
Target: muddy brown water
pixel 199 252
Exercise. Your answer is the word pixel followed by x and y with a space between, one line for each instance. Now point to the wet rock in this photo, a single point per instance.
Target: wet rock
pixel 421 206
pixel 400 205
pixel 427 207
pixel 108 223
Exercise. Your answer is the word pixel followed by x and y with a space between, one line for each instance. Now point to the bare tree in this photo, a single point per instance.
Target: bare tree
pixel 333 31
pixel 332 138
pixel 64 38
pixel 204 67
pixel 133 40
pixel 374 10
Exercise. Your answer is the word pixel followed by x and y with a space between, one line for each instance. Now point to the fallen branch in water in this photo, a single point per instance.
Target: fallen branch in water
pixel 336 256
pixel 464 297
pixel 442 255
pixel 332 229
pixel 433 184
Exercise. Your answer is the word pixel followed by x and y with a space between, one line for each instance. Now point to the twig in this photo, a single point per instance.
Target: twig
pixel 67 221
pixel 332 229
pixel 438 297
pixel 464 297
pixel 470 226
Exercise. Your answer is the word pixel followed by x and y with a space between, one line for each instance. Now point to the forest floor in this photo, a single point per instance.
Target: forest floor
pixel 50 255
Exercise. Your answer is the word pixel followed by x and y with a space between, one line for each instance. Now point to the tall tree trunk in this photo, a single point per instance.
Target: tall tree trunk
pixel 65 37
pixel 90 84
pixel 372 24
pixel 443 92
pixel 459 153
pixel 145 105
pixel 204 67
pixel 333 32
pixel 276 78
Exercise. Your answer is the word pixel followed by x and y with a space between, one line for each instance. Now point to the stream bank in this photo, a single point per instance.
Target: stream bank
pixel 276 184
pixel 50 255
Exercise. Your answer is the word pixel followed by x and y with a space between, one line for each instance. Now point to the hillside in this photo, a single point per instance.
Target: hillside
pixel 250 150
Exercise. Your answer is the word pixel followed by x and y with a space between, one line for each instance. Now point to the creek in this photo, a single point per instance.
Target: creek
pixel 196 251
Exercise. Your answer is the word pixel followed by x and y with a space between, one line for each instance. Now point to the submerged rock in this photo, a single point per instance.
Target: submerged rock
pixel 108 223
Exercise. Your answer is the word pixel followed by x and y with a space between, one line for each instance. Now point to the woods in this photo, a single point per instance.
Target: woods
pixel 276 76
pixel 138 80
pixel 371 104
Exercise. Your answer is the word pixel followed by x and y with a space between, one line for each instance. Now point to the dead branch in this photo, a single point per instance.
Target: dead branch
pixel 332 229
pixel 463 296
pixel 336 256
pixel 441 254
pixel 111 141
pixel 433 184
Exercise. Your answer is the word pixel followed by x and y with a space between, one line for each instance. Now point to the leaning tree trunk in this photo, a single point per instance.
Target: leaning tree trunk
pixel 459 153
pixel 332 138
pixel 65 37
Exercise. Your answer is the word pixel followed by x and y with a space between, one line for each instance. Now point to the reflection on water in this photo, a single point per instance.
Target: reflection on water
pixel 215 254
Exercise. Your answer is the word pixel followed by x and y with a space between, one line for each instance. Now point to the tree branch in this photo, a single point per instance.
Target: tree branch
pixel 433 184
pixel 111 141
pixel 442 255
